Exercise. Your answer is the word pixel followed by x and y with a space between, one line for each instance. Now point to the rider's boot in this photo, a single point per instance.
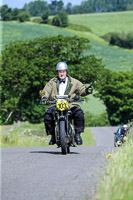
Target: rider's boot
pixel 52 141
pixel 78 139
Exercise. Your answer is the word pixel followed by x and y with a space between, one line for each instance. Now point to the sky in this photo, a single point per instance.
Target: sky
pixel 20 3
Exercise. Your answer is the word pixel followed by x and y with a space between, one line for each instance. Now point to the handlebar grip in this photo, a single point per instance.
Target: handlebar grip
pixel 81 100
pixel 71 101
pixel 51 102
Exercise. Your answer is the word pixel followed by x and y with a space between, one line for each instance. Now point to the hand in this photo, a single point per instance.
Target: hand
pixel 76 98
pixel 89 89
pixel 42 93
pixel 44 100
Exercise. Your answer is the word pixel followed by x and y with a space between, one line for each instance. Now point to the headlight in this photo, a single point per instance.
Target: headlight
pixel 61 104
pixel 119 142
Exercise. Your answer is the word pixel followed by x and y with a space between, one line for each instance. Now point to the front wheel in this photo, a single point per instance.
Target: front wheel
pixel 63 137
pixel 68 149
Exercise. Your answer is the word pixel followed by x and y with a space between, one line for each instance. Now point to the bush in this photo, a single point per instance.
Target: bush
pixel 122 40
pixel 61 19
pixel 107 36
pixel 37 20
pixel 64 18
pixel 56 21
pixel 24 16
pixel 45 16
pixel 78 27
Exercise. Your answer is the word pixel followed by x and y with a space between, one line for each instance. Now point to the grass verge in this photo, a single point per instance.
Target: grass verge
pixel 33 135
pixel 117 184
pixel 88 138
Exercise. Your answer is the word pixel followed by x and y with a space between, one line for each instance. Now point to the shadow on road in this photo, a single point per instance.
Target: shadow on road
pixel 52 152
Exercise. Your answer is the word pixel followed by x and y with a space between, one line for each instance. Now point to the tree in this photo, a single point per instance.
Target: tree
pixel 86 7
pixel 116 91
pixel 6 13
pixel 76 9
pixel 24 16
pixel 28 65
pixel 129 6
pixel 69 8
pixel 60 6
pixel 45 16
pixel 36 8
pixel 56 6
pixel 15 13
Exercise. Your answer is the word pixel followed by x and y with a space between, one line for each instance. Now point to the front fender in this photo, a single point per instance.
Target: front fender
pixel 62 118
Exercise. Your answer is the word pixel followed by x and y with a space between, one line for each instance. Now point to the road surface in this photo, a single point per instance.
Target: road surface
pixel 43 173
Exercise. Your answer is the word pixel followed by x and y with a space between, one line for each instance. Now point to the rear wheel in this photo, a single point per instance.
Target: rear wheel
pixel 63 137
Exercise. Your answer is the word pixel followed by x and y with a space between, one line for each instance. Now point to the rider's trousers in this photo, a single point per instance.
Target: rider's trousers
pixel 77 116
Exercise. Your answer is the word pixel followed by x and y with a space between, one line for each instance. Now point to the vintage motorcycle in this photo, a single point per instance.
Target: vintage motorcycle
pixel 64 131
pixel 119 139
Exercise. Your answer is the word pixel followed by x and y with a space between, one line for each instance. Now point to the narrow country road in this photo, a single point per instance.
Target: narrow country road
pixel 104 136
pixel 43 173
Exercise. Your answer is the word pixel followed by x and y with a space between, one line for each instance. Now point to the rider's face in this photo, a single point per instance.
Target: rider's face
pixel 62 73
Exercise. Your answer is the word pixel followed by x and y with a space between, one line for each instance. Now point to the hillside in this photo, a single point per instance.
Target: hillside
pixel 102 23
pixel 114 58
pixel 15 31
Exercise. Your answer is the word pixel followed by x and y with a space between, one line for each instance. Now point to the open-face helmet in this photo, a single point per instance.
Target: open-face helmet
pixel 61 66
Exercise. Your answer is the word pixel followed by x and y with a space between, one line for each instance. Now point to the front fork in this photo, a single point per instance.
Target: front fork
pixel 62 117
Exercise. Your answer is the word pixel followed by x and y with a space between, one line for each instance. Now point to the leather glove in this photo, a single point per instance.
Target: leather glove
pixel 76 98
pixel 44 100
pixel 89 89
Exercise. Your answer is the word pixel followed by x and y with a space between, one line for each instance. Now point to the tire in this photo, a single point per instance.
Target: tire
pixel 115 142
pixel 63 137
pixel 71 129
pixel 68 149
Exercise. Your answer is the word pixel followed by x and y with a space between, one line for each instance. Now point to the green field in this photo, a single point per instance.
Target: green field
pixel 114 58
pixel 102 23
pixel 14 31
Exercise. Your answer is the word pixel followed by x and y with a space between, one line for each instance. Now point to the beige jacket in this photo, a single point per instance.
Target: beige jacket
pixel 74 87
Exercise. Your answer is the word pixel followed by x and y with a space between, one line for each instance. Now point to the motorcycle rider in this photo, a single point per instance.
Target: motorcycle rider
pixel 63 84
pixel 124 130
pixel 121 131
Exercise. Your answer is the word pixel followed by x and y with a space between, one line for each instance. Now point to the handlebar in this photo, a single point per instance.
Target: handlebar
pixel 54 101
pixel 48 102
